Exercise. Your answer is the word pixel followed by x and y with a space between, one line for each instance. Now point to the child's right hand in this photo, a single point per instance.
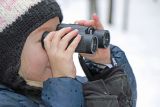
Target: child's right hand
pixel 60 54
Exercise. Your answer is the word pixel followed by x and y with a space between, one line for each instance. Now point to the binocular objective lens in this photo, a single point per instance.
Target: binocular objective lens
pixel 106 40
pixel 94 44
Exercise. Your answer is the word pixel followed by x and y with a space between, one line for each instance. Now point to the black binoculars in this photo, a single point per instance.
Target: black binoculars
pixel 91 38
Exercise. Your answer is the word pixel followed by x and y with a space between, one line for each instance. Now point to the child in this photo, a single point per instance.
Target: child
pixel 31 76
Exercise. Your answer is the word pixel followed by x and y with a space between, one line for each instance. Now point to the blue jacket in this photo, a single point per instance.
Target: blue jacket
pixel 57 92
pixel 64 92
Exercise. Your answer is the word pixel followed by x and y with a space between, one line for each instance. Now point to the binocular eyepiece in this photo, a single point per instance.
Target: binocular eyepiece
pixel 91 38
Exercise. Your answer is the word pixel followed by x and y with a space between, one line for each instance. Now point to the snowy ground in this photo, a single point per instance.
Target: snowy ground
pixel 140 41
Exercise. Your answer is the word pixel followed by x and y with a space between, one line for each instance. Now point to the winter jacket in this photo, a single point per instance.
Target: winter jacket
pixel 112 90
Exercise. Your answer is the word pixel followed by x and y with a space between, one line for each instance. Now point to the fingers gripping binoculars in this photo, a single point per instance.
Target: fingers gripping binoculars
pixel 91 38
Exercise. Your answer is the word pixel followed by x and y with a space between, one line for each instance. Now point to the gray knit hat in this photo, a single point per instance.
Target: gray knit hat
pixel 18 18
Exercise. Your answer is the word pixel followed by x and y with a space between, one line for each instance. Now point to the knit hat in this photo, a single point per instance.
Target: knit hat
pixel 18 18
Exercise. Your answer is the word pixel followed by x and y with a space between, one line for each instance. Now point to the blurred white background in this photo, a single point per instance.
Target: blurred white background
pixel 135 28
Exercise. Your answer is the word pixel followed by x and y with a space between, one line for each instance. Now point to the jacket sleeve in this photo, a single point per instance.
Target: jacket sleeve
pixel 62 92
pixel 121 59
pixel 111 91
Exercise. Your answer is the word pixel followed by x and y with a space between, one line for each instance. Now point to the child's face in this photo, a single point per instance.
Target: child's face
pixel 34 61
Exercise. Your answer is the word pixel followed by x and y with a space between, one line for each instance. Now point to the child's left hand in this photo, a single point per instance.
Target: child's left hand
pixel 102 55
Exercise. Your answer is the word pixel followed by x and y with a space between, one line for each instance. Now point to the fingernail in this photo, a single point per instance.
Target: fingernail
pixel 76 30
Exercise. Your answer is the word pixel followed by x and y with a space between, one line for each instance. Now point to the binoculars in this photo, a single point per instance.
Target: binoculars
pixel 91 38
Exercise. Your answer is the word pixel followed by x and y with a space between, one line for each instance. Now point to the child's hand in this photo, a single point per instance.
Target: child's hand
pixel 60 54
pixel 102 56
